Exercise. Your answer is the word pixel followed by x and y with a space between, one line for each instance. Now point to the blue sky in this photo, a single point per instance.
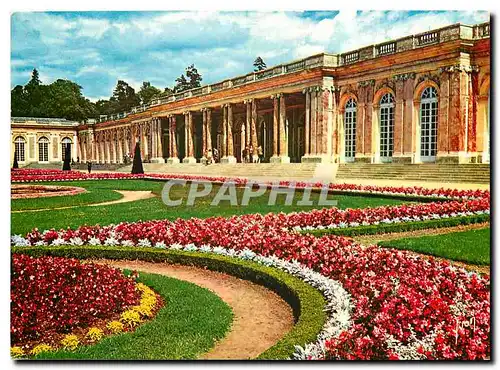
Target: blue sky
pixel 95 49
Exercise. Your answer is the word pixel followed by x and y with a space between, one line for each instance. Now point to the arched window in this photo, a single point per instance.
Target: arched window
pixel 386 127
pixel 19 145
pixel 428 124
pixel 350 130
pixel 43 149
pixel 66 142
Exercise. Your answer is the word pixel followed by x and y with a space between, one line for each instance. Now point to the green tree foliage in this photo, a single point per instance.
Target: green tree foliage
pixel 62 99
pixel 148 92
pixel 124 97
pixel 259 64
pixel 192 80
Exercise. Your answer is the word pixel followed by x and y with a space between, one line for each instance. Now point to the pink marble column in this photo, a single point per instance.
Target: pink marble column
pixel 224 132
pixel 275 124
pixel 204 134
pixel 230 148
pixel 283 140
pixel 253 126
pixel 209 128
pixel 307 130
pixel 313 149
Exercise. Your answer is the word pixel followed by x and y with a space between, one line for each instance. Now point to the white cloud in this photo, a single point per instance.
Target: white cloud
pixel 97 51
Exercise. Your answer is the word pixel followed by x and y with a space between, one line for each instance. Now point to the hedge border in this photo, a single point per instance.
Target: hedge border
pixel 400 226
pixel 113 342
pixel 307 303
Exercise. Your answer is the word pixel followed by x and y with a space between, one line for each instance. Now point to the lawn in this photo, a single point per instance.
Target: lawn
pixel 154 208
pixel 471 246
pixel 192 320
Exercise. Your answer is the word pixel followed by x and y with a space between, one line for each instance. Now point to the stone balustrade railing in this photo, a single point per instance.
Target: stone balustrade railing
pixel 445 34
pixel 60 121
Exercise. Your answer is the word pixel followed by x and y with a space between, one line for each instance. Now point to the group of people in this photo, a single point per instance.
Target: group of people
pixel 212 156
pixel 249 155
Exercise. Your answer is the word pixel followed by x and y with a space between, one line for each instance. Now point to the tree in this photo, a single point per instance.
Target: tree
pixel 67 159
pixel 62 99
pixel 194 77
pixel 137 165
pixel 34 94
pixel 192 81
pixel 259 64
pixel 15 165
pixel 19 102
pixel 124 96
pixel 148 92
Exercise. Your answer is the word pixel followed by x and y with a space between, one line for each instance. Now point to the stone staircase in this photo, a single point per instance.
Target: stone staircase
pixel 458 173
pixel 261 171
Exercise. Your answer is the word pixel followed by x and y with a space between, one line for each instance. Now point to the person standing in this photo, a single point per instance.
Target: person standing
pixel 89 166
pixel 209 156
pixel 251 154
pixel 216 155
pixel 244 155
pixel 260 154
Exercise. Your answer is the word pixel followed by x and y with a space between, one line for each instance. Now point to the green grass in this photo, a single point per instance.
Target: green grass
pixel 307 303
pixel 188 326
pixel 471 246
pixel 400 226
pixel 154 208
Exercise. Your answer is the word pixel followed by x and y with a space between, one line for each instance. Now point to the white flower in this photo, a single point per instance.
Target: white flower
pixel 161 245
pixel 127 243
pixel 59 241
pixel 19 241
pixel 94 241
pixel 144 243
pixel 111 241
pixel 76 241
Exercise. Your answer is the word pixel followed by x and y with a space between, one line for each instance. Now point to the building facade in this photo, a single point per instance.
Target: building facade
pixel 43 140
pixel 420 98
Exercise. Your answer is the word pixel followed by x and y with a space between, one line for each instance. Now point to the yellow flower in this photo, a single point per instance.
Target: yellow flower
pixel 130 318
pixel 115 326
pixel 16 352
pixel 95 334
pixel 40 348
pixel 143 310
pixel 70 342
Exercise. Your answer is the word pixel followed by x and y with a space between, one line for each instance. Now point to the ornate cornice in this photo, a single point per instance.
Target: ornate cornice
pixel 404 76
pixel 429 77
pixel 459 68
pixel 389 83
pixel 366 83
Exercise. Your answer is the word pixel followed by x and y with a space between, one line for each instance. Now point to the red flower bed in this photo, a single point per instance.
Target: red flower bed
pixel 403 306
pixel 54 293
pixel 40 191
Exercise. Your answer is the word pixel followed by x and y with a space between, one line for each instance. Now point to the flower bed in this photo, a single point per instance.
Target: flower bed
pixel 51 297
pixel 40 191
pixel 404 307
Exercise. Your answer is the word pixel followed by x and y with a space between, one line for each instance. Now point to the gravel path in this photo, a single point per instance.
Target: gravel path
pixel 261 317
pixel 128 196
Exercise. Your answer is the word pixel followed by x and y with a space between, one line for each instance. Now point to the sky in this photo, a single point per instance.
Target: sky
pixel 96 49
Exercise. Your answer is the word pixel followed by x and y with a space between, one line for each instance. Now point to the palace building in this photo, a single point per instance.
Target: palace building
pixel 420 98
pixel 43 140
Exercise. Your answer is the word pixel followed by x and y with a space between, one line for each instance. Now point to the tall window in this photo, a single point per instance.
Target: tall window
pixel 43 149
pixel 350 130
pixel 428 124
pixel 65 142
pixel 386 127
pixel 19 145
